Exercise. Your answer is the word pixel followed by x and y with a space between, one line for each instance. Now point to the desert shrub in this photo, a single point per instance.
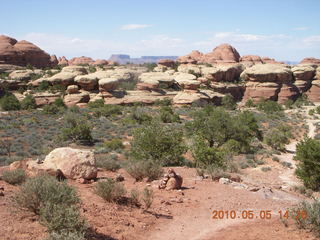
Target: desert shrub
pixel 147 197
pixel 65 235
pixel 108 163
pixel 128 85
pixel 163 102
pixel 228 102
pixel 96 104
pixel 167 115
pixel 62 218
pixel 14 177
pixel 110 190
pixel 269 106
pixel 308 168
pixel 107 110
pixel 114 144
pixel 135 197
pixel 140 169
pixel 303 101
pixel 92 69
pixel 194 73
pixel 158 143
pixel 29 66
pixel 59 103
pixel 278 137
pixel 38 192
pixel 150 66
pixel 288 104
pixel 307 216
pixel 51 109
pixel 77 130
pixel 28 103
pixel 43 86
pixel 9 102
pixel 266 169
pixel 140 115
pixel 311 112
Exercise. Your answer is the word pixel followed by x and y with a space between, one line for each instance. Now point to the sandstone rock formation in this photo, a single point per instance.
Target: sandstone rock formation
pixel 81 61
pixel 310 60
pixel 72 99
pixel 22 53
pixel 266 80
pixel 100 62
pixel 73 163
pixel 167 63
pixel 63 61
pixel 171 181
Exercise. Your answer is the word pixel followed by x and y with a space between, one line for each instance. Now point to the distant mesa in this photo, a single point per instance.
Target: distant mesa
pixel 124 59
pixel 22 53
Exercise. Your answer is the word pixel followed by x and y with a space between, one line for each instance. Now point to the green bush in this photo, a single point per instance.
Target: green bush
pixel 43 86
pixel 59 103
pixel 51 109
pixel 139 115
pixel 96 104
pixel 289 103
pixel 9 102
pixel 278 137
pixel 92 69
pixel 140 169
pixel 110 190
pixel 28 103
pixel 228 102
pixel 307 216
pixel 308 168
pixel 44 190
pixel 14 177
pixel 167 115
pixel 249 103
pixel 161 144
pixel 269 106
pixel 163 102
pixel 135 197
pixel 114 144
pixel 77 130
pixel 107 110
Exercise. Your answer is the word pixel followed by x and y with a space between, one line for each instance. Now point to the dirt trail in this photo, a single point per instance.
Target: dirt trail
pixel 197 223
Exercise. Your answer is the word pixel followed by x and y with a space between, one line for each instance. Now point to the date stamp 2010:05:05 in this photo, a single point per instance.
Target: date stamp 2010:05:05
pixel 262 214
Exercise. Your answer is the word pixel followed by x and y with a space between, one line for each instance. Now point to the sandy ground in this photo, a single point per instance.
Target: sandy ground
pixel 183 214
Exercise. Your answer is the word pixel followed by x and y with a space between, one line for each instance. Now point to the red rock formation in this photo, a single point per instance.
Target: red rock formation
pixel 192 58
pixel 166 62
pixel 100 62
pixel 54 61
pixel 254 59
pixel 310 60
pixel 81 61
pixel 223 53
pixel 63 61
pixel 22 53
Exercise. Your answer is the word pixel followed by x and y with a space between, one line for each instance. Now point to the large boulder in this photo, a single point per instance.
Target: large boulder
pixel 73 163
pixel 67 75
pixel 23 75
pixel 235 90
pixel 303 72
pixel 192 58
pixel 267 73
pixel 187 81
pixel 22 53
pixel 189 97
pixel 314 92
pixel 258 90
pixel 108 84
pixel 288 91
pixel 223 73
pixel 100 62
pixel 154 79
pixel 75 98
pixel 167 63
pixel 63 61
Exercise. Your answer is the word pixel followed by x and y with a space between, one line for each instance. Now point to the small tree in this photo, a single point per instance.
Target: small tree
pixel 158 143
pixel 77 129
pixel 308 169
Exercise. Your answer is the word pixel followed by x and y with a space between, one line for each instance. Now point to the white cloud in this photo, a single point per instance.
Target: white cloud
pixel 134 26
pixel 312 40
pixel 301 28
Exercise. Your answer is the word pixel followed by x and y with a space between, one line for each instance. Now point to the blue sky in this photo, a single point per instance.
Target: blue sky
pixel 281 29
